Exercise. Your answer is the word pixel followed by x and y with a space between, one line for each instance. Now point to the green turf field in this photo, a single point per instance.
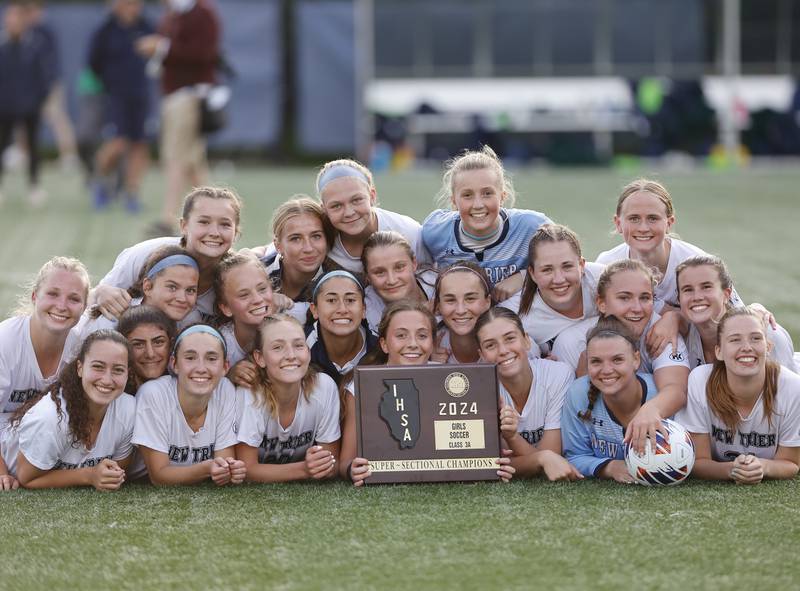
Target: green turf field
pixel 520 536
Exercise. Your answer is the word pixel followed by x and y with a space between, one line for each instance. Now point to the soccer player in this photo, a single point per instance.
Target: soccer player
pixel 599 407
pixel 482 228
pixel 78 432
pixel 289 428
pixel 531 396
pixel 185 424
pixel 560 286
pixel 743 412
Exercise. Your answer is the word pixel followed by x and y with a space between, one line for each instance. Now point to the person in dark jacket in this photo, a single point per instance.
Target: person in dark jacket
pixel 121 68
pixel 23 88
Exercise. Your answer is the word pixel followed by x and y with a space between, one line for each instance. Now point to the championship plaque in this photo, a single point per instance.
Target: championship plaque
pixel 429 423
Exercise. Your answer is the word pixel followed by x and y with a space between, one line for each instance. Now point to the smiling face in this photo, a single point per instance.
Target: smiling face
pixel 501 342
pixel 461 299
pixel 150 348
pixel 629 297
pixel 743 346
pixel 104 372
pixel 391 272
pixel 643 222
pixel 247 294
pixel 339 306
pixel 348 202
pixel 558 270
pixel 211 228
pixel 302 243
pixel 59 301
pixel 409 339
pixel 173 291
pixel 478 196
pixel 283 352
pixel 612 364
pixel 199 363
pixel 700 293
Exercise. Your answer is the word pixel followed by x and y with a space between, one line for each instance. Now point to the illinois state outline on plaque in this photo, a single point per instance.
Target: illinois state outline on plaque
pixel 400 409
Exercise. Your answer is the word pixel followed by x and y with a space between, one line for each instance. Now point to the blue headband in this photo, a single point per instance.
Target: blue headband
pixel 339 171
pixel 200 328
pixel 331 275
pixel 172 261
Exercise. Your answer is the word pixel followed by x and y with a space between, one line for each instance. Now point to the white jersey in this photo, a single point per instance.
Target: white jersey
pixel 753 435
pixel 232 346
pixel 387 220
pixel 20 375
pixel 161 425
pixel 45 440
pixel 375 304
pixel 543 324
pixel 572 342
pixel 131 261
pixel 782 347
pixel 542 410
pixel 666 290
pixel 316 420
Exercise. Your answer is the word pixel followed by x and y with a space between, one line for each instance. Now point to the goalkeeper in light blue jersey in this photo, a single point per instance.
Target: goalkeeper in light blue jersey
pixel 598 407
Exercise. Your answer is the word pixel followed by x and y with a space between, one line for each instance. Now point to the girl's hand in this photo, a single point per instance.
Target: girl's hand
pixel 440 354
pixel 617 470
pixel 107 476
pixel 664 332
pixel 220 471
pixel 557 468
pixel 506 470
pixel 280 303
pixel 509 422
pixel 644 426
pixel 359 471
pixel 766 315
pixel 243 374
pixel 8 482
pixel 320 463
pixel 507 287
pixel 111 301
pixel 238 470
pixel 747 469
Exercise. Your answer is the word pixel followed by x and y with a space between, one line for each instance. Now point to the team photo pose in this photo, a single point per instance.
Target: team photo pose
pixel 482 226
pixel 168 281
pixel 78 432
pixel 644 217
pixel 531 396
pixel 625 290
pixel 150 333
pixel 347 192
pixel 600 407
pixel 38 341
pixel 209 226
pixel 339 337
pixel 392 274
pixel 704 290
pixel 743 412
pixel 289 428
pixel 560 287
pixel 243 299
pixel 185 424
pixel 462 293
pixel 301 240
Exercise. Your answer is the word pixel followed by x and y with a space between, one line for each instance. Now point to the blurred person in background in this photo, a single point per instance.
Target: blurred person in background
pixel 187 53
pixel 113 58
pixel 54 109
pixel 24 84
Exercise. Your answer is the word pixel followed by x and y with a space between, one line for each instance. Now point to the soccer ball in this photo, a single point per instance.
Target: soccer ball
pixel 670 463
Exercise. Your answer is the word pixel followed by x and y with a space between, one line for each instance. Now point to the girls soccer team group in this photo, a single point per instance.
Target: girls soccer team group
pixel 192 361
